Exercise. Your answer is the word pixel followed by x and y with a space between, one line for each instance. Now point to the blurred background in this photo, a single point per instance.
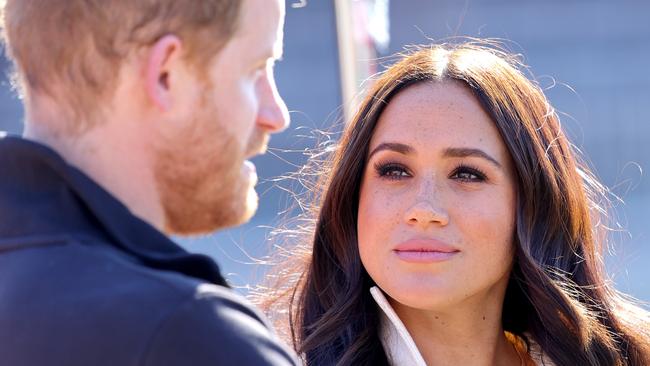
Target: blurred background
pixel 591 56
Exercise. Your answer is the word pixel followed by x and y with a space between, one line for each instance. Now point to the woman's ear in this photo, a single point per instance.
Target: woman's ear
pixel 160 69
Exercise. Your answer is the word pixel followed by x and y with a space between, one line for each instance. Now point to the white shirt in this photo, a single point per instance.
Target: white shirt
pixel 399 345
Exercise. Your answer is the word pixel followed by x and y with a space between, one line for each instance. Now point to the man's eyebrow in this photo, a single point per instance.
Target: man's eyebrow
pixel 278 53
pixel 463 152
pixel 277 50
pixel 269 58
pixel 392 146
pixel 272 54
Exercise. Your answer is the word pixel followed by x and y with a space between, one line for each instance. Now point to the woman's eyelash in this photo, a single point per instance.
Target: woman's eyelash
pixel 391 170
pixel 397 171
pixel 468 173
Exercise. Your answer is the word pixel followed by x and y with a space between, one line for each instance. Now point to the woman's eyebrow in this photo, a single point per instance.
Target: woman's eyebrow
pixel 392 146
pixel 452 152
pixel 463 152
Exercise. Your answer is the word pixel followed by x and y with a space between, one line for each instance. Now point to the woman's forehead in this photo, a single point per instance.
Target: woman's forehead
pixel 436 112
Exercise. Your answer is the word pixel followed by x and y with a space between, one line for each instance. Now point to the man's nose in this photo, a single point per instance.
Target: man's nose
pixel 273 115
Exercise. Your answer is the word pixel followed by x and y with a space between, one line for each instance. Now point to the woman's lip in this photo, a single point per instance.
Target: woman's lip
pixel 424 245
pixel 424 251
pixel 424 257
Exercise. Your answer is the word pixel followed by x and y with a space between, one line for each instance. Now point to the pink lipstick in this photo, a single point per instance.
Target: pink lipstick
pixel 424 251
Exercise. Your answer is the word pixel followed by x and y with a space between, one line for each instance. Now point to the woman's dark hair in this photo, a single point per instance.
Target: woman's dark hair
pixel 558 292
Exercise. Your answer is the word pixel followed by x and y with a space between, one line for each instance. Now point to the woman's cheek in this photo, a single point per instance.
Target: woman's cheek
pixel 375 211
pixel 384 206
pixel 489 229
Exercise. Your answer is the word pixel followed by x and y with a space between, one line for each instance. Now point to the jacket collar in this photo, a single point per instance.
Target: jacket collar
pixel 397 342
pixel 400 347
pixel 43 198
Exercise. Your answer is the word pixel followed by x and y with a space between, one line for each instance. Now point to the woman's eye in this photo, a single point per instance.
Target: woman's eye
pixel 468 174
pixel 392 171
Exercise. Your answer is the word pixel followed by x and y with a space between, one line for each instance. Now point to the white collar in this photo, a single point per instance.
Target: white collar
pixel 399 345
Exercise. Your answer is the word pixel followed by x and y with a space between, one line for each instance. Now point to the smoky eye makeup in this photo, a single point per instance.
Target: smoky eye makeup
pixel 463 172
pixel 468 173
pixel 391 170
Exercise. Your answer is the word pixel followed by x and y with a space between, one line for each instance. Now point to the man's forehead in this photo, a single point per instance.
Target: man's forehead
pixel 262 22
pixel 268 14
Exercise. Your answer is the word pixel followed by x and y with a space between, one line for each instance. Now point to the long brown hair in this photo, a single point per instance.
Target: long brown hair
pixel 558 292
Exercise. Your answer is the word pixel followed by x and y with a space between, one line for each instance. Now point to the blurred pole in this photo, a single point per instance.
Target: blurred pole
pixel 347 55
pixel 362 32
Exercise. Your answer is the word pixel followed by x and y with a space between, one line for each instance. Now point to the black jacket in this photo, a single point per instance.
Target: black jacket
pixel 85 282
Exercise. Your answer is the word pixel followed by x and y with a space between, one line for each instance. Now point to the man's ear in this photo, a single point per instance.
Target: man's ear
pixel 162 58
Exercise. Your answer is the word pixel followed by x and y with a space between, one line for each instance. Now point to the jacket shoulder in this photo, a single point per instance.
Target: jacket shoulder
pixel 216 326
pixel 105 308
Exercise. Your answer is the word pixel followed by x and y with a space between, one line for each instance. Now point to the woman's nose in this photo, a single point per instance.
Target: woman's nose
pixel 424 212
pixel 427 206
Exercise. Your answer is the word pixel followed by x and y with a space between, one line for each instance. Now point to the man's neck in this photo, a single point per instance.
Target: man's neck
pixel 114 158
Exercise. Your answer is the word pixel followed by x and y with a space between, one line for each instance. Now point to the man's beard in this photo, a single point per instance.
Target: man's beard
pixel 200 179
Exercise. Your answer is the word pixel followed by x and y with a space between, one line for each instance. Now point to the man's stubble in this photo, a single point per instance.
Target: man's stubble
pixel 199 177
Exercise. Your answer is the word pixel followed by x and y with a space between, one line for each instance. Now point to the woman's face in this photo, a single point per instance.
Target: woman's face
pixel 437 204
